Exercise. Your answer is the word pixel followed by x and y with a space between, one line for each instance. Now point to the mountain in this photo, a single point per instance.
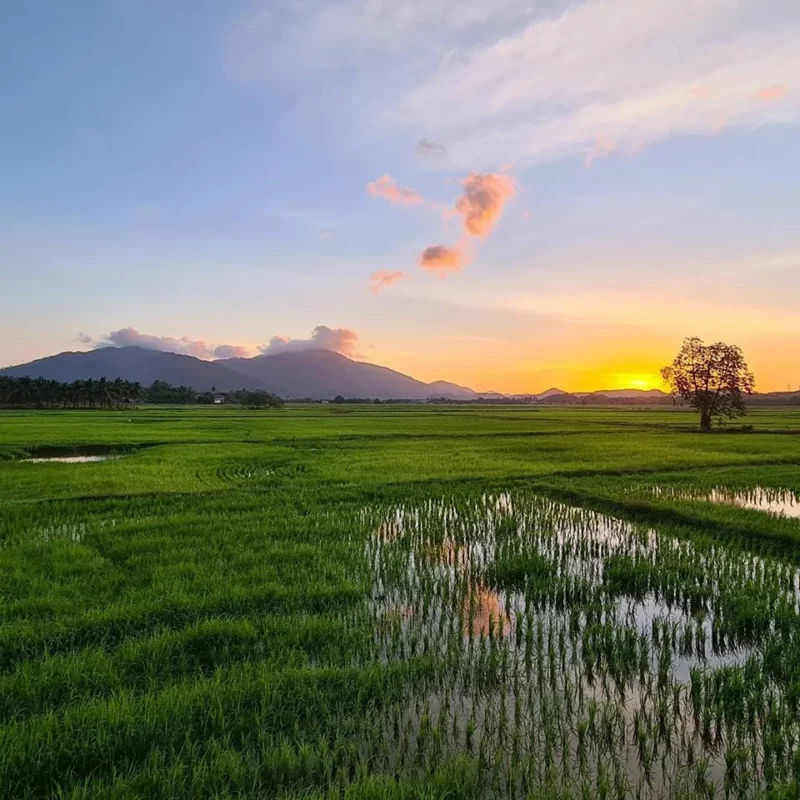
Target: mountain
pixel 452 390
pixel 317 374
pixel 626 394
pixel 322 375
pixel 552 392
pixel 138 364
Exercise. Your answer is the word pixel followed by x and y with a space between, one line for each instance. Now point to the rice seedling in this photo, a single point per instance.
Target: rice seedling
pixel 397 603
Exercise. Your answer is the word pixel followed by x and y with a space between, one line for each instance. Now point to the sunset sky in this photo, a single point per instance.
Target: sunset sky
pixel 510 195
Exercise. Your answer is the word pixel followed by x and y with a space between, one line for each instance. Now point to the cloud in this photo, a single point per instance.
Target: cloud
pixel 630 68
pixel 230 351
pixel 603 147
pixel 325 234
pixel 84 338
pixel 383 278
pixel 534 81
pixel 386 188
pixel 429 149
pixel 771 94
pixel 442 260
pixel 700 92
pixel 338 340
pixel 130 337
pixel 480 206
pixel 481 203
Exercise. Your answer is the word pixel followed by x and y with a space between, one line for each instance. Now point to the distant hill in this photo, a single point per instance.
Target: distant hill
pixel 138 364
pixel 315 374
pixel 312 374
pixel 626 394
pixel 552 392
pixel 322 375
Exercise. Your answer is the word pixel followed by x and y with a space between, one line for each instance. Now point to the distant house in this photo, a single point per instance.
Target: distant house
pixel 219 399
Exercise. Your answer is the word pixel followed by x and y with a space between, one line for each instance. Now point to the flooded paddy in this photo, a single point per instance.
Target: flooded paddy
pixel 780 502
pixel 69 459
pixel 89 454
pixel 364 607
pixel 585 654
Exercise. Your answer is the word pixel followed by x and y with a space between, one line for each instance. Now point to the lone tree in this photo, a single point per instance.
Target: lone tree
pixel 711 378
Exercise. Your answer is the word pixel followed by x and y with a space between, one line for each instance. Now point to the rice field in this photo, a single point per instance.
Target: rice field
pixel 399 602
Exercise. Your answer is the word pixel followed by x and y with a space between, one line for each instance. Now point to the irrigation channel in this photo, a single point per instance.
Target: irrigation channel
pixel 582 654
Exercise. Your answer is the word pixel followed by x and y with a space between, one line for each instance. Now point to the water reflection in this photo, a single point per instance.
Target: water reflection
pixel 780 502
pixel 575 643
pixel 69 459
pixel 485 613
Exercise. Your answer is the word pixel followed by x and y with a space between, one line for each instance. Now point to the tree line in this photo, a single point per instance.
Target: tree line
pixel 116 394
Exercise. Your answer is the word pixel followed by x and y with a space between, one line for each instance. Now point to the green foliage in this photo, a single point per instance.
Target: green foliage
pixel 257 399
pixel 713 379
pixel 398 602
pixel 43 393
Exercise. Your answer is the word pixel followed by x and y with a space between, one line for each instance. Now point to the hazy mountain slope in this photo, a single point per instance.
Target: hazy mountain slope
pixel 627 394
pixel 322 375
pixel 137 364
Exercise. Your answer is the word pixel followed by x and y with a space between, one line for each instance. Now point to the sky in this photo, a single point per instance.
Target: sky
pixel 510 195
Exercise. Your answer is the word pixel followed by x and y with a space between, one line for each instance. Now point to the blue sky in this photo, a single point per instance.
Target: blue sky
pixel 199 170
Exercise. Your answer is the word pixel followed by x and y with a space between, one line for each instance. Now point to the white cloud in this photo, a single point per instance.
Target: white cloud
pixel 619 70
pixel 507 80
pixel 338 340
pixel 130 337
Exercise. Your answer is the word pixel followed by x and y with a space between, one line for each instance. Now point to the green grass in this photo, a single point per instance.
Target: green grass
pixel 397 602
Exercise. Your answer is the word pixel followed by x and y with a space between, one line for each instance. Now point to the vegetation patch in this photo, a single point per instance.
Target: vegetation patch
pixel 397 602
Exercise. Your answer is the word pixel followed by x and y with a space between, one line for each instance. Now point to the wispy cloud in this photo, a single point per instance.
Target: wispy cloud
pixel 535 82
pixel 130 337
pixel 383 278
pixel 428 149
pixel 627 68
pixel 387 188
pixel 338 340
pixel 772 94
pixel 603 147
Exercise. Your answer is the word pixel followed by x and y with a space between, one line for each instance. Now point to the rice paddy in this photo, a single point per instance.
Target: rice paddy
pixel 399 602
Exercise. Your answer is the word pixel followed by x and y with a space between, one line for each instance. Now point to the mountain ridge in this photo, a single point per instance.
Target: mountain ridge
pixel 316 374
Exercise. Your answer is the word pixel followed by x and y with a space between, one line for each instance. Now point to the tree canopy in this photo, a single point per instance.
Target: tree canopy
pixel 712 378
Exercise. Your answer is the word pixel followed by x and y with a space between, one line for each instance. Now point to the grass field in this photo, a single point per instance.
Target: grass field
pixel 399 602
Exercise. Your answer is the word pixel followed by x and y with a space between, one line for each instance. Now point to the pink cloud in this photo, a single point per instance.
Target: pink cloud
pixel 383 278
pixel 603 147
pixel 130 337
pixel 700 92
pixel 526 214
pixel 480 206
pixel 772 94
pixel 231 351
pixel 718 123
pixel 443 260
pixel 338 340
pixel 386 188
pixel 482 201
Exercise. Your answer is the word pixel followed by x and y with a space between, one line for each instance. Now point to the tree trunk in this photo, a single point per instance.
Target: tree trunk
pixel 705 421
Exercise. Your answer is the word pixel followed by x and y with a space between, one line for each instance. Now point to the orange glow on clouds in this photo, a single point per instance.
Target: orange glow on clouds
pixel 772 94
pixel 386 188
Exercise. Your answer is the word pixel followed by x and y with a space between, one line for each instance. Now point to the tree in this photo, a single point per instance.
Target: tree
pixel 258 399
pixel 711 378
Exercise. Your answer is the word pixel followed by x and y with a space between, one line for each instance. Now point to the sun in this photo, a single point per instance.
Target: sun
pixel 636 380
